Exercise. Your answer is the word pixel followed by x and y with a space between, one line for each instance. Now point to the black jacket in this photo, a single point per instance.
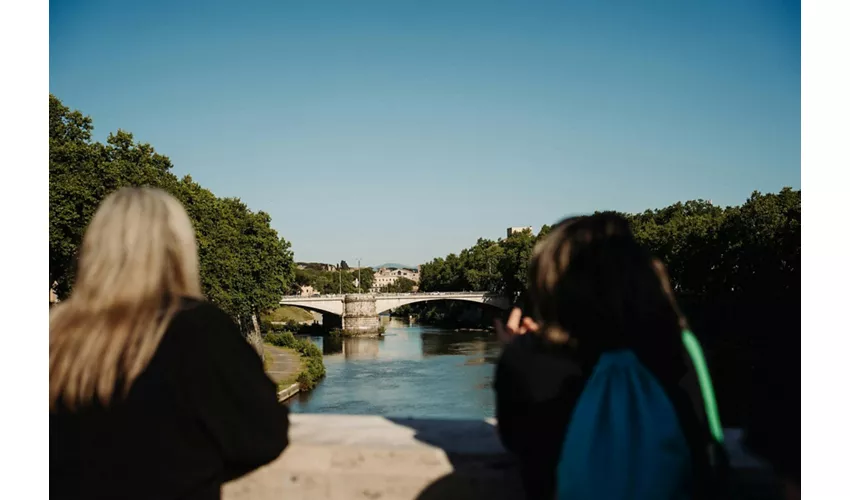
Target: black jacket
pixel 537 385
pixel 202 413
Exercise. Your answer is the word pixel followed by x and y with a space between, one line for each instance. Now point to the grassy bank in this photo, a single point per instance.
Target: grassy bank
pixel 285 314
pixel 312 366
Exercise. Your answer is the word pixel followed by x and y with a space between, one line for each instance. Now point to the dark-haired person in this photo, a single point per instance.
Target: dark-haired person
pixel 593 290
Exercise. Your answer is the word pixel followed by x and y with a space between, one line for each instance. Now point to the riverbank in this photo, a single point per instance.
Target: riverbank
pixel 283 366
pixel 337 333
pixel 286 314
pixel 311 368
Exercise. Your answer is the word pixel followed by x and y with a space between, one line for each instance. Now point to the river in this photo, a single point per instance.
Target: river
pixel 412 371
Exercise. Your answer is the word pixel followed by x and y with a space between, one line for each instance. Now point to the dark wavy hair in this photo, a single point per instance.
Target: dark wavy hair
pixel 596 289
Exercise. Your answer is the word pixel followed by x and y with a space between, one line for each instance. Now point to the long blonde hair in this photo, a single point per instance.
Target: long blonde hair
pixel 138 258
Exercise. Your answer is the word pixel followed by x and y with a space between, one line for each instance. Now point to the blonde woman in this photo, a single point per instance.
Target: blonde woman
pixel 153 391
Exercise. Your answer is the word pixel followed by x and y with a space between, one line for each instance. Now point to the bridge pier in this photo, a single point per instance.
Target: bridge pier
pixel 360 315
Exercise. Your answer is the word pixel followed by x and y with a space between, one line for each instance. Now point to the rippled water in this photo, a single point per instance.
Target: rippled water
pixel 413 371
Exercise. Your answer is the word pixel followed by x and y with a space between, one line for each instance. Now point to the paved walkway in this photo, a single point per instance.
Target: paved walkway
pixel 367 457
pixel 285 364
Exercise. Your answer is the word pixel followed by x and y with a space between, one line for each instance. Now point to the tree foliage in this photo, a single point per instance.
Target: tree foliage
pixel 735 271
pixel 745 253
pixel 748 252
pixel 494 266
pixel 245 265
pixel 339 281
pixel 401 285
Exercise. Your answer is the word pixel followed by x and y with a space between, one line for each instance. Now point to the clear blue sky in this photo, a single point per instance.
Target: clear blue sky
pixel 400 131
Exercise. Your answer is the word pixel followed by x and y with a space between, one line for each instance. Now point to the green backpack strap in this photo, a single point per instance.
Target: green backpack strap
pixel 694 349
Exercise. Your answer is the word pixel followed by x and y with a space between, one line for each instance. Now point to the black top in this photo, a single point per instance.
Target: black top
pixel 537 385
pixel 202 413
pixel 773 432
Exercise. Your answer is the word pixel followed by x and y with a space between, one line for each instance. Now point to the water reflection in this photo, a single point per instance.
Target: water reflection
pixel 330 345
pixel 413 370
pixel 435 344
pixel 357 348
pixel 351 348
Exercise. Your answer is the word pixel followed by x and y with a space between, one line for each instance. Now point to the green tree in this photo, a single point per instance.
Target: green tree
pixel 328 282
pixel 76 189
pixel 401 285
pixel 712 253
pixel 82 174
pixel 245 266
pixel 735 271
pixel 367 277
pixel 513 266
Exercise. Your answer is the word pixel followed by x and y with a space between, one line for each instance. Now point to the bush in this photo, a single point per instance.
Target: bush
pixel 278 328
pixel 312 373
pixel 311 329
pixel 283 339
pixel 295 327
pixel 308 349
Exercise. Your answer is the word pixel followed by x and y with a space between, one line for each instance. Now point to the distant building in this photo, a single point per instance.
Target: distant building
pixel 514 230
pixel 307 291
pixel 386 276
pixel 317 266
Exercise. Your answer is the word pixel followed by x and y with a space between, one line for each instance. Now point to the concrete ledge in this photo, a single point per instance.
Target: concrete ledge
pixel 371 457
pixel 288 392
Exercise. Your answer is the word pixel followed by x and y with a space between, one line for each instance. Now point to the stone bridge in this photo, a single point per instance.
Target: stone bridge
pixel 359 311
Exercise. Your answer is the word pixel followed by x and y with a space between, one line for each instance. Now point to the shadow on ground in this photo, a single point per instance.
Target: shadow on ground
pixel 482 468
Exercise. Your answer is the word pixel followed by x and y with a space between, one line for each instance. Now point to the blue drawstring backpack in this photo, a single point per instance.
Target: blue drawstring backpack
pixel 624 440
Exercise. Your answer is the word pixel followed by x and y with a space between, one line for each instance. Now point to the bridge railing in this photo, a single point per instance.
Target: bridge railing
pixel 392 294
pixel 430 294
pixel 318 296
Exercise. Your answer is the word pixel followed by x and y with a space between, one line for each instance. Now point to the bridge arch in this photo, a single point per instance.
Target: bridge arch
pixel 326 304
pixel 386 303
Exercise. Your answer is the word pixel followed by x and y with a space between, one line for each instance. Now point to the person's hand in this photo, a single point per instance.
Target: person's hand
pixel 516 325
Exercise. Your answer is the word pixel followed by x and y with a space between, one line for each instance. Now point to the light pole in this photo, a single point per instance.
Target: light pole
pixel 358 274
pixel 340 279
